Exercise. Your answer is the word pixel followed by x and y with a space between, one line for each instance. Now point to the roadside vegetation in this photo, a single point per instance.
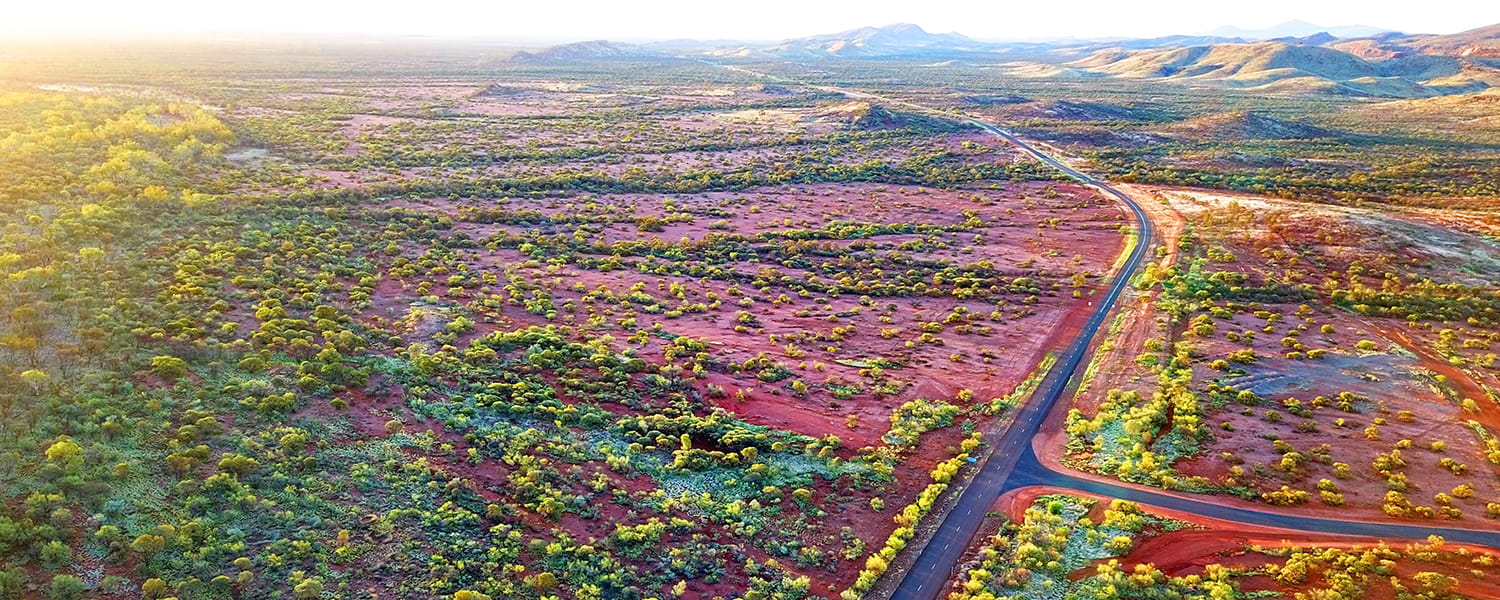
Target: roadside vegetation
pixel 435 338
pixel 390 323
pixel 1064 546
pixel 1332 359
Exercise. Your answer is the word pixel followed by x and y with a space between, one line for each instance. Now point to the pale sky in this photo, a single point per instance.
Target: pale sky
pixel 570 20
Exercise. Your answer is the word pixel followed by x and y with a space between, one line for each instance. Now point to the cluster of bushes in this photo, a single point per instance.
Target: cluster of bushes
pixel 1055 538
pixel 907 521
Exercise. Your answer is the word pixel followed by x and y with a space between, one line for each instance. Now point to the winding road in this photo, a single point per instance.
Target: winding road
pixel 1014 464
pixel 932 572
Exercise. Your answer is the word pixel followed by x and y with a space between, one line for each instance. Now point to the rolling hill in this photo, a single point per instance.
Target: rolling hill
pixel 1295 29
pixel 1483 42
pixel 1245 62
pixel 1292 58
pixel 865 116
pixel 1298 67
pixel 900 39
pixel 582 52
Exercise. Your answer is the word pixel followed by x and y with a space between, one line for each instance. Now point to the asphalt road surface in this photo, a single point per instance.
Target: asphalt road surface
pixel 932 572
pixel 1014 464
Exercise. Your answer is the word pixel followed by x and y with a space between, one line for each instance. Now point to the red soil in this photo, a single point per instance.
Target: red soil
pixel 1218 542
pixel 1270 239
pixel 929 371
pixel 1014 241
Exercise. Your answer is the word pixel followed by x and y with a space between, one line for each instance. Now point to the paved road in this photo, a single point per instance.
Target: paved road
pixel 931 574
pixel 1014 463
pixel 1031 471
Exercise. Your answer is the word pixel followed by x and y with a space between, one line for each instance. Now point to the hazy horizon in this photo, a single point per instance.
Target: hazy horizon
pixel 677 19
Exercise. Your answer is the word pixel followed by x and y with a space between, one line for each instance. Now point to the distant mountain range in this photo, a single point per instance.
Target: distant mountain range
pixel 902 38
pixel 580 51
pixel 1386 65
pixel 1483 42
pixel 1294 57
pixel 1290 67
pixel 1296 29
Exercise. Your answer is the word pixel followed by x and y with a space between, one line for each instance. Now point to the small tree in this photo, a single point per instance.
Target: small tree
pixel 66 587
pixel 65 451
pixel 309 588
pixel 153 588
pixel 148 544
pixel 170 368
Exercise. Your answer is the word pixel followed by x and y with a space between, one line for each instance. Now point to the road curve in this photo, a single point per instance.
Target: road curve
pixel 931 573
pixel 1031 471
pixel 1014 463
